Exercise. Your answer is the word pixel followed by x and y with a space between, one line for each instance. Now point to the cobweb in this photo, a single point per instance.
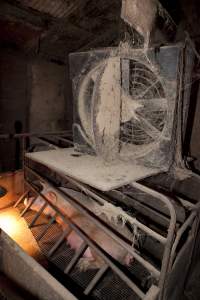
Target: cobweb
pixel 142 106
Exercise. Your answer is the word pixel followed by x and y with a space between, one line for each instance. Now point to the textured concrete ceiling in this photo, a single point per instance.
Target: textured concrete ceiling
pixel 54 28
pixel 55 8
pixel 59 26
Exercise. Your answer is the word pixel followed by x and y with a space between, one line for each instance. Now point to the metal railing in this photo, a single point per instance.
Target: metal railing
pixel 166 241
pixel 170 241
pixel 51 140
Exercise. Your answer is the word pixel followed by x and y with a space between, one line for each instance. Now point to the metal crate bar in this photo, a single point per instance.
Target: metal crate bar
pixel 171 231
pixel 97 249
pixel 96 280
pixel 101 201
pixel 38 214
pixel 59 242
pixel 154 271
pixel 146 211
pixel 52 220
pixel 27 207
pixel 35 134
pixel 47 143
pixel 152 293
pixel 180 233
pixel 21 198
pixel 76 258
pixel 62 139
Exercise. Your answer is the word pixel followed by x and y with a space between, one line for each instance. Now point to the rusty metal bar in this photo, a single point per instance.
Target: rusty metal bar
pixel 38 214
pixel 28 134
pixel 106 258
pixel 111 233
pixel 27 207
pixel 21 198
pixel 146 211
pixel 153 293
pixel 96 280
pixel 76 257
pixel 59 242
pixel 133 221
pixel 64 140
pixel 155 272
pixel 47 143
pixel 170 235
pixel 52 220
pixel 179 234
pixel 100 251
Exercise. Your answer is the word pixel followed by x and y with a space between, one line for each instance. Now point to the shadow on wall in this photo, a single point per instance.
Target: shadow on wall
pixel 14 184
pixel 11 150
pixel 193 128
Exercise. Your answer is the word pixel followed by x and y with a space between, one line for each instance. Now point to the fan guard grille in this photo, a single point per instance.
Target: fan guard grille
pixel 144 84
pixel 137 135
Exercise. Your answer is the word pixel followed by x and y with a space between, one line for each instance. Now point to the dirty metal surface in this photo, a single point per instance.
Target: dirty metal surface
pixel 92 170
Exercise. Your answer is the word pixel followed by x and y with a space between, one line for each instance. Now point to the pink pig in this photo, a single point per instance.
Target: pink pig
pixel 90 258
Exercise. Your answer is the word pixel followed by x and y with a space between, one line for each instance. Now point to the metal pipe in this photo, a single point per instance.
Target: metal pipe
pixel 96 248
pixel 153 293
pixel 133 221
pixel 95 280
pixel 52 220
pixel 64 140
pixel 21 198
pixel 145 209
pixel 20 135
pixel 170 235
pixel 59 242
pixel 76 257
pixel 179 234
pixel 47 143
pixel 38 214
pixel 27 207
pixel 154 271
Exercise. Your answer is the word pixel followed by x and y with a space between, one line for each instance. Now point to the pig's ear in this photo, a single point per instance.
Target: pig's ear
pixel 53 197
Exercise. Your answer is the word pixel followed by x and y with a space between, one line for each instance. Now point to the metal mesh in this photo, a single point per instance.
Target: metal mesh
pixel 144 86
pixel 110 287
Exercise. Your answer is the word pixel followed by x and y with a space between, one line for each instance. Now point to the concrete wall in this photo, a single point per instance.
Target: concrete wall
pixel 48 107
pixel 14 102
pixel 13 90
pixel 28 274
pixel 34 92
pixel 195 138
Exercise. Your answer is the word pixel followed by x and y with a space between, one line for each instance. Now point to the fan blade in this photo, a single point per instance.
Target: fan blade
pixel 149 88
pixel 149 129
pixel 129 108
pixel 154 104
pixel 108 110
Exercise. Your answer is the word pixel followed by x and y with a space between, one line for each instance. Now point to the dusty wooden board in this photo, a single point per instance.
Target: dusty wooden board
pixel 92 170
pixel 107 120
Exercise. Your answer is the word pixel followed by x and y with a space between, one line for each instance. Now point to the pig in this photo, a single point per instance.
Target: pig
pixel 53 198
pixel 90 259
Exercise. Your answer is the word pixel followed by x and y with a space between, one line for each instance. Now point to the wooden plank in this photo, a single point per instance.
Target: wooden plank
pixel 107 110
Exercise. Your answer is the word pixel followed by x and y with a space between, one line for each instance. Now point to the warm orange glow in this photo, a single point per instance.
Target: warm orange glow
pixel 9 224
pixel 18 230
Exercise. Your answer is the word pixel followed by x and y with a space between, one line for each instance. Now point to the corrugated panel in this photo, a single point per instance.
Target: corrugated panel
pixel 55 8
